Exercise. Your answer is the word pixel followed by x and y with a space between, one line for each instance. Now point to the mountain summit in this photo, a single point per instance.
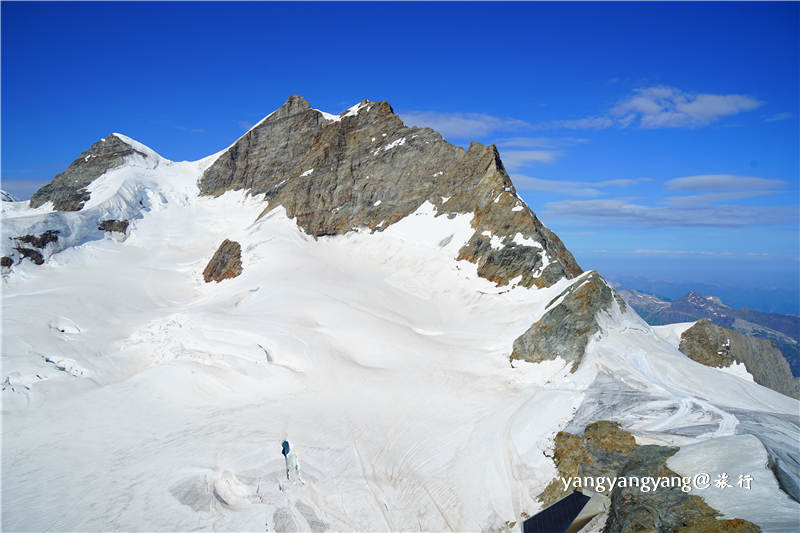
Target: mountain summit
pixel 380 299
pixel 366 168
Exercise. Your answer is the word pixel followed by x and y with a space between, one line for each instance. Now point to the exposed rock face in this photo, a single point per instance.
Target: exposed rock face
pixel 668 508
pixel 600 452
pixel 609 436
pixel 714 346
pixel 226 262
pixel 120 226
pixel 368 169
pixel 6 261
pixel 41 240
pixel 31 254
pixel 782 330
pixel 607 450
pixel 568 324
pixel 67 190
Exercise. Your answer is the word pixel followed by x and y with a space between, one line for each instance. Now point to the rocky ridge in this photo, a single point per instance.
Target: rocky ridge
pixel 365 168
pixel 606 450
pixel 712 345
pixel 68 190
pixel 569 322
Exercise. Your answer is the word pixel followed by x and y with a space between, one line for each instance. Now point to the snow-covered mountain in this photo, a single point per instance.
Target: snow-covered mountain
pixel 782 330
pixel 379 298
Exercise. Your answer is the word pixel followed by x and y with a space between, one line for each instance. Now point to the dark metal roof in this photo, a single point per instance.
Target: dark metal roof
pixel 558 517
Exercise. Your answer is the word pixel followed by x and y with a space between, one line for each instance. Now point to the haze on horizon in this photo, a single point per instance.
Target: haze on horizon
pixel 659 141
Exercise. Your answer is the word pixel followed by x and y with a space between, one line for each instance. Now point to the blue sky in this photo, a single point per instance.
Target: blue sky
pixel 658 140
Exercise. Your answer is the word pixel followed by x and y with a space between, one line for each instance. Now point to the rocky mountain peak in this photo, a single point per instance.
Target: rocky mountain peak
pixel 366 168
pixel 293 105
pixel 695 298
pixel 68 190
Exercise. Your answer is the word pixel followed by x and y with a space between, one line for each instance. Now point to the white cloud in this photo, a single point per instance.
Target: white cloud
pixel 461 125
pixel 620 211
pixel 778 117
pixel 539 142
pixel 571 187
pixel 668 107
pixel 516 159
pixel 588 123
pixel 713 197
pixel 722 182
pixel 663 107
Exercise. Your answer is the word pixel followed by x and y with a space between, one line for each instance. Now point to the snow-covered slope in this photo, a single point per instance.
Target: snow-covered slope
pixel 138 397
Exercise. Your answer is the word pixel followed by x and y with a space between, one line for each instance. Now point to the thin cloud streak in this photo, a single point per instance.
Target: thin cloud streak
pixel 722 182
pixel 572 187
pixel 516 159
pixel 461 125
pixel 779 117
pixel 713 197
pixel 539 142
pixel 615 211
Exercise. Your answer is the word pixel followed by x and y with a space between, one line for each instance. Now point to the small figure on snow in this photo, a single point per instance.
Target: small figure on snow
pixel 292 467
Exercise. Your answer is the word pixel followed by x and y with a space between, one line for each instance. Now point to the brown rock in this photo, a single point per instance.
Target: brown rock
pixel 68 190
pixel 607 450
pixel 369 170
pixel 610 436
pixel 120 226
pixel 41 240
pixel 715 346
pixel 226 262
pixel 565 329
pixel 31 254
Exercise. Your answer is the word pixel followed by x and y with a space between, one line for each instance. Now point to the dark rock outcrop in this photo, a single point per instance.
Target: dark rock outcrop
pixel 6 261
pixel 120 226
pixel 67 190
pixel 600 452
pixel 606 450
pixel 668 508
pixel 712 345
pixel 367 169
pixel 566 327
pixel 41 240
pixel 31 254
pixel 226 262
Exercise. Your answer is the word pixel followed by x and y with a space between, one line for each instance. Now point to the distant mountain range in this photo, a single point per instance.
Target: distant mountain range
pixel 782 330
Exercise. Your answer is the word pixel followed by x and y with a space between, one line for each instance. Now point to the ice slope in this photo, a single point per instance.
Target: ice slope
pixel 137 397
